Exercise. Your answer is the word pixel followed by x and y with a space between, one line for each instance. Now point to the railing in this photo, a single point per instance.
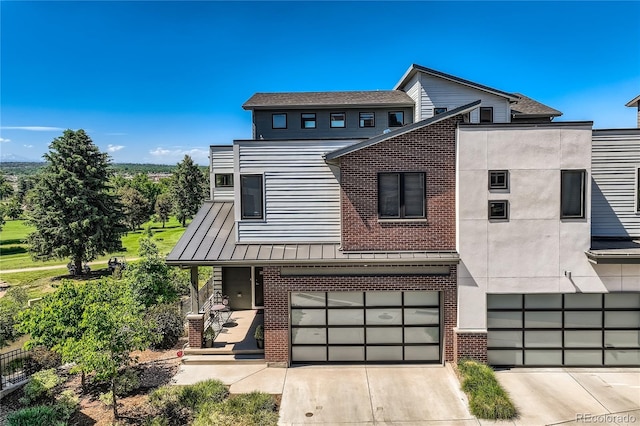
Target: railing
pixel 205 293
pixel 12 368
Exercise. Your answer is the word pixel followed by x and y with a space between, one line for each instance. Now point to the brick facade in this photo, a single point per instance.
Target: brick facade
pixel 276 301
pixel 430 149
pixel 196 330
pixel 470 345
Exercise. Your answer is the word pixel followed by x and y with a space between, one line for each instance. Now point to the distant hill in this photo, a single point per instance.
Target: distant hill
pixel 19 168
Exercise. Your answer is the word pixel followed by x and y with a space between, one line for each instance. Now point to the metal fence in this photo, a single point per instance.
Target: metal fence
pixel 13 368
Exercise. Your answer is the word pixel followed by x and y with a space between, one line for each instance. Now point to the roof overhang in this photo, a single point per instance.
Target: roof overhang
pixel 635 102
pixel 607 251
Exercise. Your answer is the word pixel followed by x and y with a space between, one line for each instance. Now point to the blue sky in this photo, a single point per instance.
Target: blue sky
pixel 152 81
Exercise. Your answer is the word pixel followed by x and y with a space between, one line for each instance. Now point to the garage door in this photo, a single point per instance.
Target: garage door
pixel 577 329
pixel 374 326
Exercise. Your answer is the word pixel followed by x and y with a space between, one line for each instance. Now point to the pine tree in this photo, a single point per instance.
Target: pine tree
pixel 187 190
pixel 74 214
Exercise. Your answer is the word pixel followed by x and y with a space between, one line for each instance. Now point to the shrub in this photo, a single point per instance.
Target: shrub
pixel 250 409
pixel 167 325
pixel 487 399
pixel 35 416
pixel 41 386
pixel 165 402
pixel 66 404
pixel 41 358
pixel 193 396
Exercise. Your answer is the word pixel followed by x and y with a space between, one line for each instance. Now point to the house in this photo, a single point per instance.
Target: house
pixel 434 221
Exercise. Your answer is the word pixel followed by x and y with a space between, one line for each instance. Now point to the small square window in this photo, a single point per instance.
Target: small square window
pixel 486 114
pixel 338 119
pixel 396 119
pixel 498 179
pixel 367 119
pixel 224 180
pixel 498 209
pixel 279 121
pixel 439 110
pixel 308 120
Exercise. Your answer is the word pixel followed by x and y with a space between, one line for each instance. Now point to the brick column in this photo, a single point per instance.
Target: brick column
pixel 470 344
pixel 196 330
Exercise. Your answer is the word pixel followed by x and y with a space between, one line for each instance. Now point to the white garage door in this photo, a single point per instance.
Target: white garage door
pixel 375 326
pixel 578 329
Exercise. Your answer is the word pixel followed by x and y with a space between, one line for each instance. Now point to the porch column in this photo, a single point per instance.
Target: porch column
pixel 195 300
pixel 195 318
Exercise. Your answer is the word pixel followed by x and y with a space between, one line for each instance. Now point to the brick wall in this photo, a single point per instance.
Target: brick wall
pixel 196 330
pixel 276 302
pixel 429 149
pixel 470 345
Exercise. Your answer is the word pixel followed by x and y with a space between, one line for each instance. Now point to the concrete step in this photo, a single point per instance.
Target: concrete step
pixel 223 351
pixel 223 359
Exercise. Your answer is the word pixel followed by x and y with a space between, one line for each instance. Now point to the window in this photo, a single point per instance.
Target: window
pixel 251 196
pixel 486 114
pixel 572 194
pixel 308 120
pixel 224 180
pixel 367 119
pixel 498 179
pixel 439 110
pixel 498 209
pixel 401 195
pixel 279 121
pixel 638 190
pixel 396 119
pixel 338 119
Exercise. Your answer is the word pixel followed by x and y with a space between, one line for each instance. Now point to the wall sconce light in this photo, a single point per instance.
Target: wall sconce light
pixel 567 274
pixel 239 294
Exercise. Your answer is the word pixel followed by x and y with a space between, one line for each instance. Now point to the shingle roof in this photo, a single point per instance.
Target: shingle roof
pixel 210 240
pixel 525 106
pixel 329 99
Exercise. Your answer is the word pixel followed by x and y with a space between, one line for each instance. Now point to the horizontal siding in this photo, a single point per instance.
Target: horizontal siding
pixel 438 92
pixel 221 162
pixel 414 90
pixel 614 163
pixel 302 193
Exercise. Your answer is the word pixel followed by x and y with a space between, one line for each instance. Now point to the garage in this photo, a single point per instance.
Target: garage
pixel 366 326
pixel 576 329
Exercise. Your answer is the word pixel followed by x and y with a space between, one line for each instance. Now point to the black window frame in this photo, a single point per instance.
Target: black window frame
pixel 583 194
pixel 344 120
pixel 493 185
pixel 226 180
pixel 273 116
pixel 389 115
pixel 490 109
pixel 242 195
pixel 439 110
pixel 360 120
pixel 505 216
pixel 637 197
pixel 311 118
pixel 401 198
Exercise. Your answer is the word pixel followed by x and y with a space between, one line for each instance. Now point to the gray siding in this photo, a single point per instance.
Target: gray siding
pixel 302 193
pixel 221 162
pixel 615 159
pixel 294 130
pixel 414 90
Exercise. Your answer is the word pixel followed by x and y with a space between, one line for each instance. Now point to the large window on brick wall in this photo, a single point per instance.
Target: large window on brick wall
pixel 401 195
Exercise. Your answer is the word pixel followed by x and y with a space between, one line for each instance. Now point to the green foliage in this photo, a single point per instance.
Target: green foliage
pixel 187 189
pixel 74 214
pixel 255 408
pixel 151 280
pixel 149 189
pixel 25 184
pixel 11 305
pixel 165 402
pixel 3 212
pixel 163 207
pixel 41 358
pixel 41 386
pixel 66 404
pixel 13 208
pixel 207 391
pixel 259 333
pixel 35 416
pixel 135 207
pixel 126 382
pixel 6 189
pixel 166 323
pixel 487 399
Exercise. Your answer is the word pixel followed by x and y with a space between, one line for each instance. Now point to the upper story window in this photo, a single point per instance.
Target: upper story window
pixel 279 121
pixel 401 195
pixel 486 114
pixel 251 197
pixel 338 119
pixel 396 118
pixel 638 190
pixel 367 119
pixel 439 110
pixel 308 120
pixel 224 180
pixel 572 194
pixel 498 179
pixel 498 209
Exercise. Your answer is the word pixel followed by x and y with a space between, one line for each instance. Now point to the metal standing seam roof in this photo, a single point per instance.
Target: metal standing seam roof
pixel 291 100
pixel 210 240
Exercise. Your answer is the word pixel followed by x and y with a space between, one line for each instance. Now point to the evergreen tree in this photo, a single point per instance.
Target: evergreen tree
pixel 164 205
pixel 6 189
pixel 187 190
pixel 74 214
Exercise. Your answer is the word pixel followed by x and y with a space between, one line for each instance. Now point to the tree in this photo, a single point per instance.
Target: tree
pixel 187 189
pixel 74 214
pixel 13 208
pixel 25 184
pixel 164 205
pixel 135 207
pixel 2 214
pixel 149 189
pixel 11 304
pixel 6 189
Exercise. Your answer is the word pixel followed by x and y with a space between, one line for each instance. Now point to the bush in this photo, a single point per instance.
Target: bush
pixel 487 399
pixel 41 358
pixel 165 402
pixel 255 408
pixel 66 404
pixel 41 386
pixel 212 391
pixel 167 325
pixel 35 416
pixel 10 306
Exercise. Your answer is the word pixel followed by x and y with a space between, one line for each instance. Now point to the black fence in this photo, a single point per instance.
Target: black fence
pixel 13 368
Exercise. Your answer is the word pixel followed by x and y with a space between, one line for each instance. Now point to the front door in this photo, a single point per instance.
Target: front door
pixel 236 283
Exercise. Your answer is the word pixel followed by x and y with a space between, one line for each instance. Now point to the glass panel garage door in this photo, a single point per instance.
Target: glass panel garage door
pixel 579 329
pixel 355 326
